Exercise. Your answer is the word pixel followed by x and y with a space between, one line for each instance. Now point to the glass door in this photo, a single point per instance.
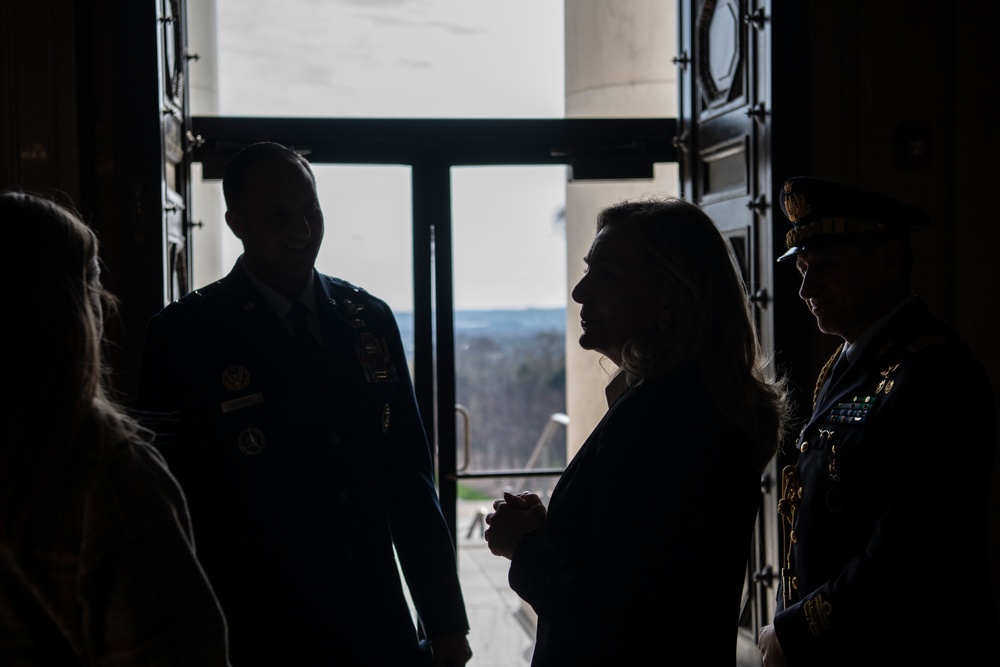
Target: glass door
pixel 509 277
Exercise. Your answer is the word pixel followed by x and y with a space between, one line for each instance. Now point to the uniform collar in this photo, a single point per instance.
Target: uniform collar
pixel 280 303
pixel 855 349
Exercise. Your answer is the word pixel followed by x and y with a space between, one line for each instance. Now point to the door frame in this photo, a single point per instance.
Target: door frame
pixel 594 149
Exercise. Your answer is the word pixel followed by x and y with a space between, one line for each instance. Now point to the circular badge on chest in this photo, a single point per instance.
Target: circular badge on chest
pixel 251 441
pixel 235 377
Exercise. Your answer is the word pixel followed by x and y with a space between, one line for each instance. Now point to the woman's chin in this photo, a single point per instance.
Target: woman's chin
pixel 588 342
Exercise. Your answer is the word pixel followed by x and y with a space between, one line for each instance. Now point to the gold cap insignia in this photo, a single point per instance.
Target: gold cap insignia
pixel 796 206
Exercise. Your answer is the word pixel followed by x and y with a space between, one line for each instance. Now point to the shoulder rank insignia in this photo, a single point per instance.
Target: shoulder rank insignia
pixel 352 310
pixel 921 343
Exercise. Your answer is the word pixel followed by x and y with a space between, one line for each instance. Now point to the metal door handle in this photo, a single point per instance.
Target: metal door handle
pixel 463 412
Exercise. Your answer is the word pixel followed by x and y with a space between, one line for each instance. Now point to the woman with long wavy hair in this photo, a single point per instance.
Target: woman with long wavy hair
pixel 641 555
pixel 97 559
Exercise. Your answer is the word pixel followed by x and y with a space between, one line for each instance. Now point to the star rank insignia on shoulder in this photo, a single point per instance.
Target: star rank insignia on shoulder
pixel 352 309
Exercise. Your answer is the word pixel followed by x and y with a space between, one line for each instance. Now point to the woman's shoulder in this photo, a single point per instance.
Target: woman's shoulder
pixel 107 499
pixel 129 486
pixel 678 397
pixel 672 416
pixel 127 460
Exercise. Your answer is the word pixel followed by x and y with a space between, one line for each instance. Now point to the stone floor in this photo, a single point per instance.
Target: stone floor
pixel 502 625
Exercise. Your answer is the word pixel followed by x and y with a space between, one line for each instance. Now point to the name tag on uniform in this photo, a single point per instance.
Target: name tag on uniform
pixel 242 402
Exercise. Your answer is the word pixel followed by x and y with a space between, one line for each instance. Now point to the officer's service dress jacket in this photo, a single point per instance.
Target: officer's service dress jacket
pixel 304 468
pixel 644 555
pixel 886 510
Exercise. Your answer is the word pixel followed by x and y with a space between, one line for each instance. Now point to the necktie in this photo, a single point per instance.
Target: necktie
pixel 838 368
pixel 299 318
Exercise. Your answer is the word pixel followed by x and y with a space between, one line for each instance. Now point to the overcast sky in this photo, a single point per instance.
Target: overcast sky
pixel 414 58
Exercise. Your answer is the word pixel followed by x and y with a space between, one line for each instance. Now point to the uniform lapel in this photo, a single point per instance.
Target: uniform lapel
pixel 856 379
pixel 338 333
pixel 266 332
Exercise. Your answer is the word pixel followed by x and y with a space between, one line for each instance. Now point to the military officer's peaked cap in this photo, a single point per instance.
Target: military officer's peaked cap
pixel 825 213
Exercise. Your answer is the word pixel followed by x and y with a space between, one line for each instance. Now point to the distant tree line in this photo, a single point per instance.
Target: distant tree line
pixel 511 383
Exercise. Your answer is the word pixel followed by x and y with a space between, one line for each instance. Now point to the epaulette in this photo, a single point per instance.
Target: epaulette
pixel 926 341
pixel 194 301
pixel 349 292
pixel 340 282
pixel 201 292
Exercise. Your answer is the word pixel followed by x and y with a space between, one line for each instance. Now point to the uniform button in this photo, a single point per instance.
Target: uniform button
pixel 795 538
pixel 335 439
pixel 795 583
pixel 804 446
pixel 344 495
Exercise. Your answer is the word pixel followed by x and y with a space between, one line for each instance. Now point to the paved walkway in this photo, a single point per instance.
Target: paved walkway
pixel 503 626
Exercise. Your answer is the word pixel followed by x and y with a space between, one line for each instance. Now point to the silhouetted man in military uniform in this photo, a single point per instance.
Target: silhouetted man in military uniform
pixel 885 513
pixel 290 422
